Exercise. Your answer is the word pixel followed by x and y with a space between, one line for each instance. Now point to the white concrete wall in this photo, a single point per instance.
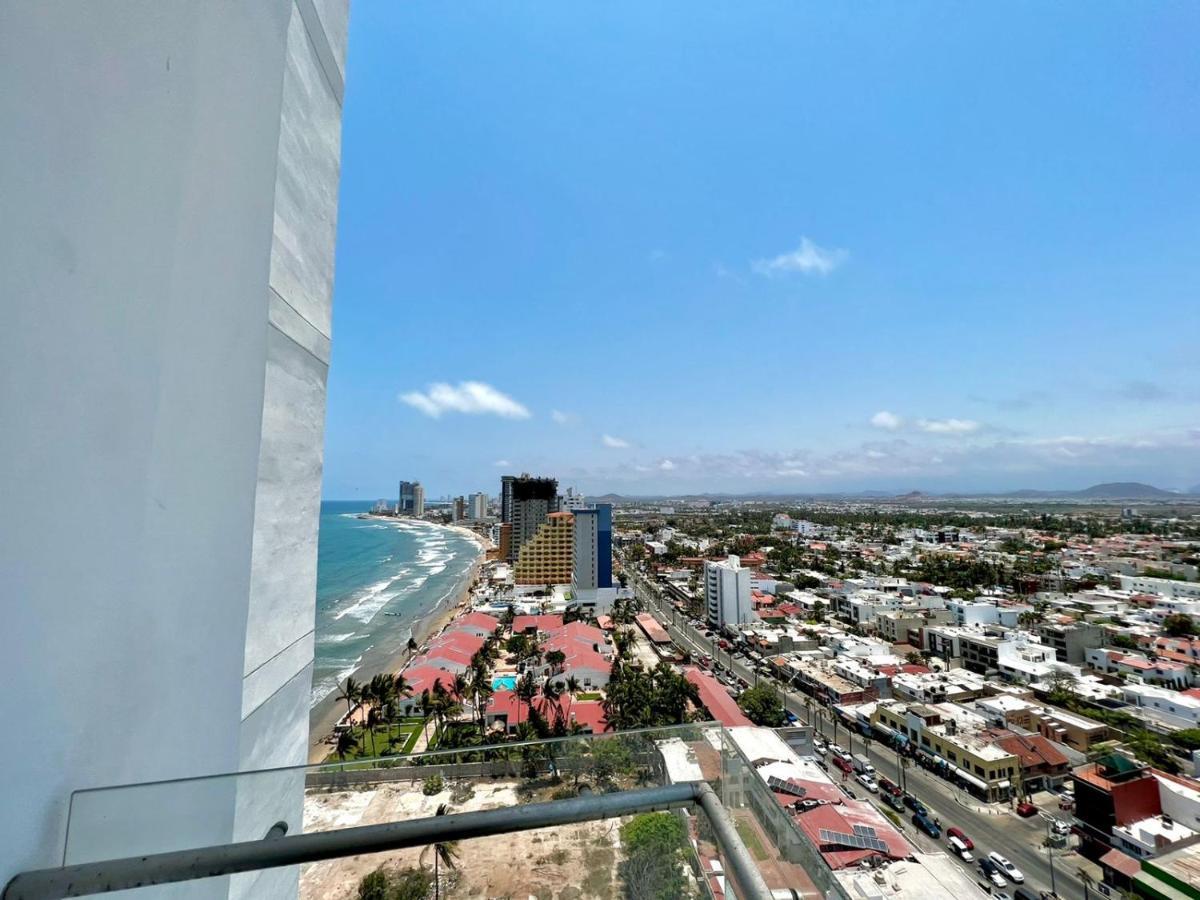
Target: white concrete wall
pixel 169 172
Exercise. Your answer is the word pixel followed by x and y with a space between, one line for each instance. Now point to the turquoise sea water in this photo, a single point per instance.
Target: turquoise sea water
pixel 375 579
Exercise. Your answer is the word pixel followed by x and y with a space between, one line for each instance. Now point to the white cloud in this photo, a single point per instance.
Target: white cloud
pixel 562 418
pixel 472 398
pixel 807 259
pixel 886 420
pixel 947 426
pixel 615 442
pixel 666 465
pixel 502 464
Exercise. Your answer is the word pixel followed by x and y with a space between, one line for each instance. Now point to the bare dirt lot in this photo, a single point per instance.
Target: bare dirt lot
pixel 575 862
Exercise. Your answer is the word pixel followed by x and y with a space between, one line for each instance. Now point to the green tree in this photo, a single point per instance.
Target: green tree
pixel 610 757
pixel 763 706
pixel 1179 625
pixel 1187 738
pixel 444 853
pixel 652 867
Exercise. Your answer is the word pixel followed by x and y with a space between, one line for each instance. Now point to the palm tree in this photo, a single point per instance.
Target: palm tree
pixel 551 693
pixel 443 852
pixel 346 743
pixel 374 720
pixel 426 708
pixel 526 690
pixel 572 685
pixel 351 692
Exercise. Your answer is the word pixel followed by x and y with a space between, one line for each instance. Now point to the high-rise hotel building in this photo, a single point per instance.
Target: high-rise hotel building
pixel 525 503
pixel 170 184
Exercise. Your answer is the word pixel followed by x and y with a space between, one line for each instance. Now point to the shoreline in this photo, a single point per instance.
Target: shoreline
pixel 329 711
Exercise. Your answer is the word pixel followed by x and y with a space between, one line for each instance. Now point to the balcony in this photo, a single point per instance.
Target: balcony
pixel 517 817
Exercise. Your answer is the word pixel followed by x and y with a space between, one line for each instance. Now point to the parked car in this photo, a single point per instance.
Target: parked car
pixel 959 848
pixel 1026 809
pixel 868 782
pixel 849 793
pixel 958 833
pixel 927 825
pixel 1004 865
pixel 914 804
pixel 1060 827
pixel 1024 893
pixel 894 801
pixel 991 873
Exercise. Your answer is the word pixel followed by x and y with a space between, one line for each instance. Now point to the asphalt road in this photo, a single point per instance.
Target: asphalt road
pixel 1002 830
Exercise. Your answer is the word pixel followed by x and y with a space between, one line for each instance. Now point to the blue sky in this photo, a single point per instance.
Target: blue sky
pixel 680 247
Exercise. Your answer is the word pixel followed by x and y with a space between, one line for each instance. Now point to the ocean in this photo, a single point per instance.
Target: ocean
pixel 375 580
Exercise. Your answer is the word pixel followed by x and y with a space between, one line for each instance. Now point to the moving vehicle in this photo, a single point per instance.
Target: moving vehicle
pixel 991 873
pixel 862 765
pixel 887 786
pixel 842 764
pixel 1025 810
pixel 914 804
pixel 868 782
pixel 1004 865
pixel 894 801
pixel 927 825
pixel 958 833
pixel 959 848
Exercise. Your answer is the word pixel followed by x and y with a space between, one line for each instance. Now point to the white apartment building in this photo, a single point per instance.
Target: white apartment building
pixel 478 506
pixel 1182 710
pixel 167 279
pixel 1167 587
pixel 727 592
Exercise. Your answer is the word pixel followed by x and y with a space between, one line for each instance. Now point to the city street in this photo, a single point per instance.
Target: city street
pixel 998 829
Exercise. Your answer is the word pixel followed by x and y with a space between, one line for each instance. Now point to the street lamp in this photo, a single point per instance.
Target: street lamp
pixel 1050 856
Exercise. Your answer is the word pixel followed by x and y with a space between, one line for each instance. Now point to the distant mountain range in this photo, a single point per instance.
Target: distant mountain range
pixel 1112 490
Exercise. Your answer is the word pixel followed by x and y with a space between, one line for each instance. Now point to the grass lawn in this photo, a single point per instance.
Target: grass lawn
pixel 588 695
pixel 388 740
pixel 750 839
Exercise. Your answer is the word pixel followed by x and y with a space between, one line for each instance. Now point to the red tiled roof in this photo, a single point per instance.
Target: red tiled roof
pixel 477 620
pixel 588 713
pixel 1033 750
pixel 1121 862
pixel 521 624
pixel 422 678
pixel 716 700
pixel 841 819
pixel 653 630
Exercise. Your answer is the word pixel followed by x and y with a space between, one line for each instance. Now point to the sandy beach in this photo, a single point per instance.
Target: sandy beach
pixel 325 715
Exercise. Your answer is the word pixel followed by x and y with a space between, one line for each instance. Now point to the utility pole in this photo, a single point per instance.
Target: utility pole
pixel 1050 855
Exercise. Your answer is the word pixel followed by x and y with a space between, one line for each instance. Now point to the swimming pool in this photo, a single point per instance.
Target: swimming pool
pixel 504 683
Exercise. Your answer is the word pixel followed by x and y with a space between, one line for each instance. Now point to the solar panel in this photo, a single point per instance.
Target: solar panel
pixel 865 830
pixel 858 841
pixel 787 786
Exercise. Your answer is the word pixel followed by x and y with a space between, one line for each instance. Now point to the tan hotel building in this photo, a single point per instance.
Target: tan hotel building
pixel 547 557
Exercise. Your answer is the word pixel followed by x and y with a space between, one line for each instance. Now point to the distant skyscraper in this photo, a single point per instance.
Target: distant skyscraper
pixel 418 509
pixel 479 504
pixel 506 497
pixel 531 501
pixel 727 592
pixel 459 509
pixel 405 505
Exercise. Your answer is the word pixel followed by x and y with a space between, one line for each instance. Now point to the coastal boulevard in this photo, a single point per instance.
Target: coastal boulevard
pixel 992 827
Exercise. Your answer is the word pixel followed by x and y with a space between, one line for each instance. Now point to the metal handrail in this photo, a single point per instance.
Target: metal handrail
pixel 226 859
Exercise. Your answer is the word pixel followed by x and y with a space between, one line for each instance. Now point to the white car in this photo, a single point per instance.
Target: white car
pixel 1060 827
pixel 868 782
pixel 992 873
pixel 1003 864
